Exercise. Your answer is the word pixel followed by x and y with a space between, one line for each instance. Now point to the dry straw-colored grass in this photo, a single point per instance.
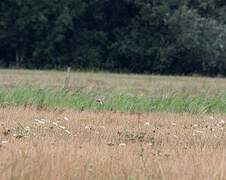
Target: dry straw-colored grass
pixel 67 144
pixel 150 84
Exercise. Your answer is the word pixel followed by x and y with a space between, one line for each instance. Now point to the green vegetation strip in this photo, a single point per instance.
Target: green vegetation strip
pixel 121 102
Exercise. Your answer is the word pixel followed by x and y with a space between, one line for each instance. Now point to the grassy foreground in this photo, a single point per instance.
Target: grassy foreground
pixel 66 144
pixel 120 102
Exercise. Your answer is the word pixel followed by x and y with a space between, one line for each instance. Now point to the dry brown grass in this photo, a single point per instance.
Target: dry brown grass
pixel 35 145
pixel 107 81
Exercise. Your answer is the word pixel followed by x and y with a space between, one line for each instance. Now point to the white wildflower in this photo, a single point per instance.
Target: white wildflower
pixel 122 144
pixel 62 127
pixel 222 121
pixel 66 118
pixel 199 131
pixel 45 120
pixel 67 131
pixel 55 124
pixel 147 124
pixel 39 121
pixel 27 128
pixel 175 136
pixel 4 142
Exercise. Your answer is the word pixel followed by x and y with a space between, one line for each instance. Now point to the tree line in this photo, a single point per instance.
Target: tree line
pixel 140 36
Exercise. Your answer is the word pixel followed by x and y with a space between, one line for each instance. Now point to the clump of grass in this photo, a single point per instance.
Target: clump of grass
pixel 114 101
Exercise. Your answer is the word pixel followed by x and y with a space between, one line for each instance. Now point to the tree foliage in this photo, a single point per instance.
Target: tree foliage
pixel 142 36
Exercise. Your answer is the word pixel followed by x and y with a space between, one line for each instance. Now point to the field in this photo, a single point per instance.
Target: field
pixel 122 93
pixel 148 127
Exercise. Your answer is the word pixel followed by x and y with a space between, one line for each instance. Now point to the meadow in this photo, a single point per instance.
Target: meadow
pixel 122 93
pixel 148 126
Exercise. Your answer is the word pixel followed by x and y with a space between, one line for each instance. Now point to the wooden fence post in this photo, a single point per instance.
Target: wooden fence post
pixel 67 78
